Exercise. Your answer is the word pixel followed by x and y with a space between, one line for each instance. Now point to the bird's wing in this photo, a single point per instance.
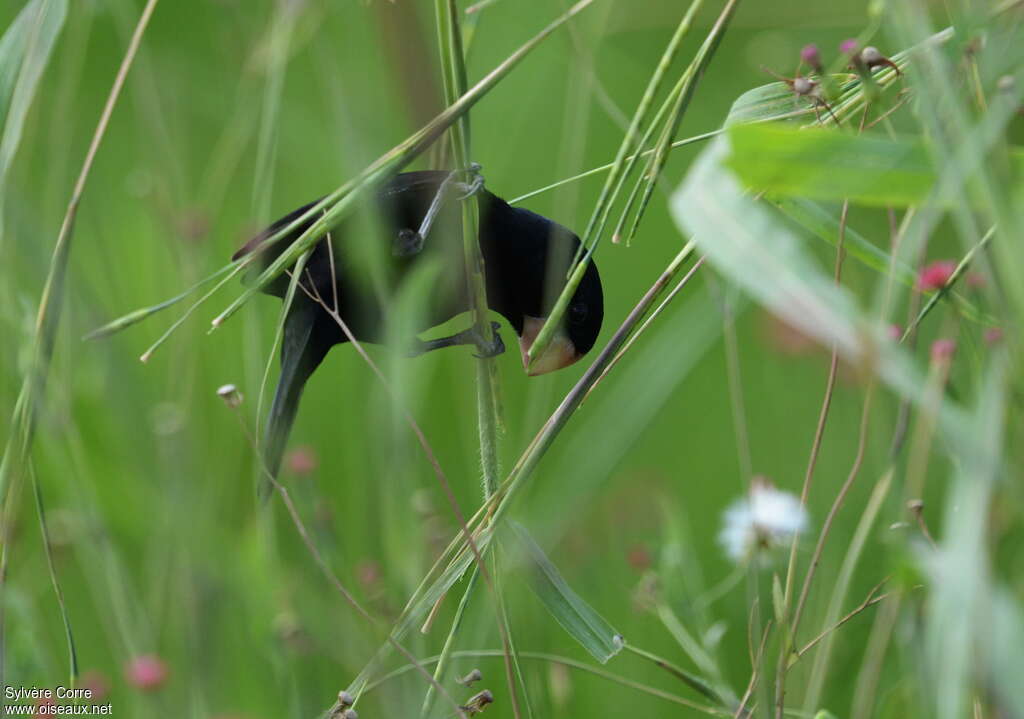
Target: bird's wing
pixel 253 245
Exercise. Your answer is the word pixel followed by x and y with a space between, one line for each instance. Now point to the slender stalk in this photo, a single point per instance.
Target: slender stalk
pixel 454 71
pixel 330 575
pixel 819 432
pixel 623 163
pixel 691 680
pixel 328 210
pixel 689 83
pixel 23 423
pixel 605 168
pixel 564 661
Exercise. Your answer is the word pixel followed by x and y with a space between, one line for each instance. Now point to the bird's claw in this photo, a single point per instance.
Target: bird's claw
pixel 492 348
pixel 475 184
pixel 407 243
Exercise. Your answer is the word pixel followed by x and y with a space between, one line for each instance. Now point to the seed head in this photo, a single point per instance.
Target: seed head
pixel 803 85
pixel 471 678
pixel 477 702
pixel 230 394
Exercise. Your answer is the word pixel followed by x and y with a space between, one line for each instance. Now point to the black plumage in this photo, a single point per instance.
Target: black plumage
pixel 526 257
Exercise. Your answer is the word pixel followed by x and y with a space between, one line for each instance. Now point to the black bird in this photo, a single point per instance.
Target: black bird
pixel 526 257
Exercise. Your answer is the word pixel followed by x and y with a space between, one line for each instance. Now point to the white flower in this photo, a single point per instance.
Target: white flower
pixel 766 518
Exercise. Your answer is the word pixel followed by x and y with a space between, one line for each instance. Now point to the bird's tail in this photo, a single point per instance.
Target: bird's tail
pixel 301 354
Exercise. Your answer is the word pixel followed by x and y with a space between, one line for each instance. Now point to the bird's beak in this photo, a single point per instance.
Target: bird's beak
pixel 561 352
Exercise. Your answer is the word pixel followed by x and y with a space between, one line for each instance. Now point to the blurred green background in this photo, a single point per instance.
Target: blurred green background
pixel 149 479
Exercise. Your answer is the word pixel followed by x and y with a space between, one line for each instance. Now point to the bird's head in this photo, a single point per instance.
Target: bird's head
pixel 528 260
pixel 574 336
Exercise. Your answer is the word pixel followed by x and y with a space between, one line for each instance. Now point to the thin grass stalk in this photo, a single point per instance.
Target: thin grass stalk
pixel 734 380
pixel 693 72
pixel 487 517
pixel 647 323
pixel 524 467
pixel 455 82
pixel 820 666
pixel 335 204
pixel 44 530
pixel 691 680
pixel 394 634
pixel 444 658
pixel 330 575
pixel 943 291
pixel 812 462
pixel 23 422
pixel 605 168
pixel 564 661
pixel 623 163
pixel 50 303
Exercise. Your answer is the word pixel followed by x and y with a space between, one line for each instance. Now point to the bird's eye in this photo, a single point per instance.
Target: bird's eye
pixel 577 313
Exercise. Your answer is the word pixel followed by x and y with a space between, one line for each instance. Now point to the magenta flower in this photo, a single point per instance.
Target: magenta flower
pixel 147 672
pixel 811 56
pixel 848 47
pixel 935 275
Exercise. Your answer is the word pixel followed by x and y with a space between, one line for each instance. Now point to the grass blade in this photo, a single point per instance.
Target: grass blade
pixel 577 617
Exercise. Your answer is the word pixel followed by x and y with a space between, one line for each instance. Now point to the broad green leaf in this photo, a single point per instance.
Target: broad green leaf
pixel 826 164
pixel 576 616
pixel 748 243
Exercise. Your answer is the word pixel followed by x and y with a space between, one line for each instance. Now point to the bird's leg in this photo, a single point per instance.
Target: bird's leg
pixel 486 348
pixel 475 184
pixel 410 242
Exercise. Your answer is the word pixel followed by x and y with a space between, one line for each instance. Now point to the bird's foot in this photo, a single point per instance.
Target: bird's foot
pixel 475 182
pixel 488 348
pixel 407 243
pixel 485 348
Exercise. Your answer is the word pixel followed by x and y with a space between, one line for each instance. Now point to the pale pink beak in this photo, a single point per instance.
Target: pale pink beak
pixel 560 352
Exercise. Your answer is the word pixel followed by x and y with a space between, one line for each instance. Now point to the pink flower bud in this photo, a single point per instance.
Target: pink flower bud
pixel 848 47
pixel 97 683
pixel 894 332
pixel 301 460
pixel 146 672
pixel 811 56
pixel 993 335
pixel 639 558
pixel 936 275
pixel 942 350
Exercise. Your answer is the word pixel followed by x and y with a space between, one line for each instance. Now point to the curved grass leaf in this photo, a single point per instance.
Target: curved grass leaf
pixel 24 53
pixel 577 617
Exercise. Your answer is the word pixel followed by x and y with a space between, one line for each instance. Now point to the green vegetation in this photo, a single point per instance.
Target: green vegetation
pixel 785 483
